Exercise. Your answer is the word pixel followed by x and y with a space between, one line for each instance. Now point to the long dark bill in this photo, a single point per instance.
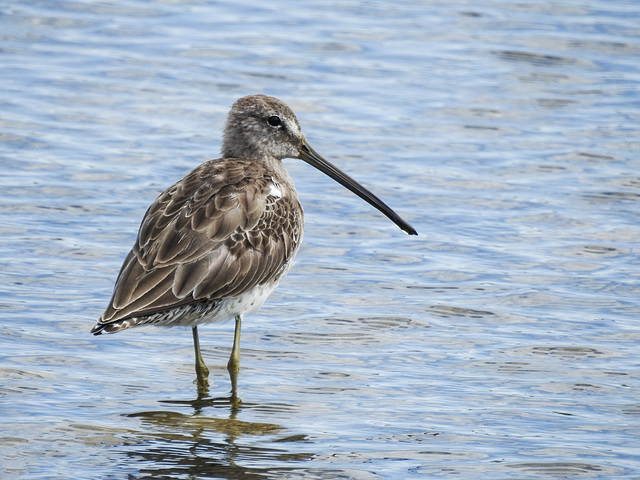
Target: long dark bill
pixel 314 159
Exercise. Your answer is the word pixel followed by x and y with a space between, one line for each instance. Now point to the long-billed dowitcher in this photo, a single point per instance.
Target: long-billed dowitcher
pixel 214 245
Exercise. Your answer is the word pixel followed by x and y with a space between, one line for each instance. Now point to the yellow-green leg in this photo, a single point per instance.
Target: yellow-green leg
pixel 234 360
pixel 202 372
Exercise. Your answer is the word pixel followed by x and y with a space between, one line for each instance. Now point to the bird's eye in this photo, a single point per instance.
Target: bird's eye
pixel 274 121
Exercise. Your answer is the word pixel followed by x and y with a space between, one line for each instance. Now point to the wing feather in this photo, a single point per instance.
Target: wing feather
pixel 216 233
pixel 153 299
pixel 136 282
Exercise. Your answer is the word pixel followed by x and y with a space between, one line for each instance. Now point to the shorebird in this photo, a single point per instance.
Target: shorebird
pixel 214 245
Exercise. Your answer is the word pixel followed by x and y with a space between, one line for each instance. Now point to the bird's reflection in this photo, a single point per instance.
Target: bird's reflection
pixel 173 444
pixel 202 401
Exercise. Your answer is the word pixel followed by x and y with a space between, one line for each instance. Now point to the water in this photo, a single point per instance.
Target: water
pixel 502 343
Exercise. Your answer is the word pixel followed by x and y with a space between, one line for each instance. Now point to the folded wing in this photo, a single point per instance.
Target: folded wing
pixel 215 234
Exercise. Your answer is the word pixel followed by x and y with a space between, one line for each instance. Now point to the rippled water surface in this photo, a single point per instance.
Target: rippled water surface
pixel 501 343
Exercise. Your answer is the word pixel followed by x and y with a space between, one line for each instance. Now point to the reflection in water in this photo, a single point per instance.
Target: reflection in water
pixel 566 469
pixel 177 445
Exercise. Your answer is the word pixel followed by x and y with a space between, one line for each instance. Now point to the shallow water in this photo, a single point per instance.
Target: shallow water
pixel 502 343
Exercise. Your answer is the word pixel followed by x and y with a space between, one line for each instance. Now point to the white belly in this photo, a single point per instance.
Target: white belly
pixel 216 311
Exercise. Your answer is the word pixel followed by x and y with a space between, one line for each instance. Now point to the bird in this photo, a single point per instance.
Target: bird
pixel 214 245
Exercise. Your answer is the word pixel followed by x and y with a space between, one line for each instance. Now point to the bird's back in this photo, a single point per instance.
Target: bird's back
pixel 228 230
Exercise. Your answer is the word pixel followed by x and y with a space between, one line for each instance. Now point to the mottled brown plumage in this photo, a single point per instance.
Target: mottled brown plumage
pixel 215 244
pixel 214 235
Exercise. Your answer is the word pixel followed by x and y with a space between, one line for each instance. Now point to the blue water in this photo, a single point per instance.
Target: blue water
pixel 501 343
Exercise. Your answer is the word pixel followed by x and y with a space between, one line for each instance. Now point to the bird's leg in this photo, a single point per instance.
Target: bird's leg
pixel 202 372
pixel 234 360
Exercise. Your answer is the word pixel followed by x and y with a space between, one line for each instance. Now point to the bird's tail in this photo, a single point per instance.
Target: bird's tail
pixel 114 327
